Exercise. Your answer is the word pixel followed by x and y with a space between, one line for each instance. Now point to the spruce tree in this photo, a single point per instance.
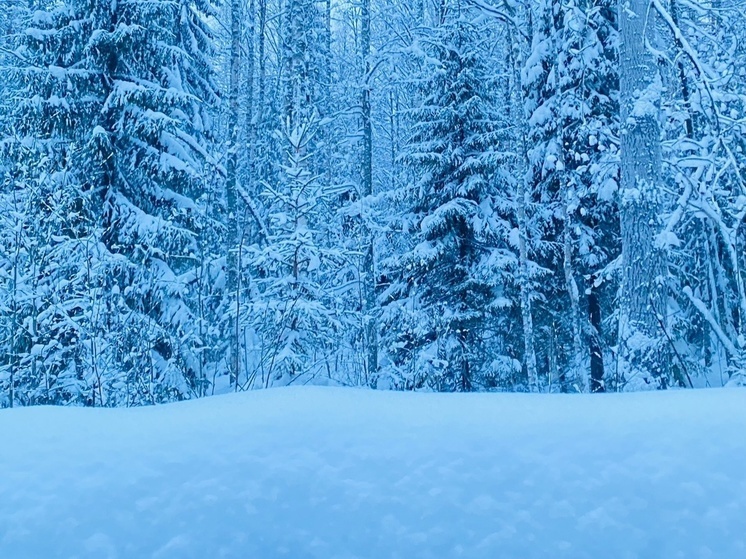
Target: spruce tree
pixel 110 130
pixel 571 87
pixel 443 287
pixel 292 312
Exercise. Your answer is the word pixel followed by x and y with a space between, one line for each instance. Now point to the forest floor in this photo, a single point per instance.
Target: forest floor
pixel 333 473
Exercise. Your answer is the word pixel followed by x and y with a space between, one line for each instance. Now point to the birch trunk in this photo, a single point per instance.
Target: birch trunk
pixel 249 100
pixel 523 198
pixel 598 383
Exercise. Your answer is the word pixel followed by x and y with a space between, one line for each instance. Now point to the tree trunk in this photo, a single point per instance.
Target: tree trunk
pixel 368 272
pixel 642 300
pixel 523 198
pixel 596 352
pixel 249 100
pixel 231 185
pixel 573 293
pixel 525 292
pixel 261 56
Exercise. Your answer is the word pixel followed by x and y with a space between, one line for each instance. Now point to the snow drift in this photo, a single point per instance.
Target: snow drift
pixel 342 474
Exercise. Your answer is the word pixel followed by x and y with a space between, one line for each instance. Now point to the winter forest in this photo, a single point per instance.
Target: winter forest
pixel 206 196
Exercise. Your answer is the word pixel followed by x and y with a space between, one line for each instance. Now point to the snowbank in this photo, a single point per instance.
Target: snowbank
pixel 341 474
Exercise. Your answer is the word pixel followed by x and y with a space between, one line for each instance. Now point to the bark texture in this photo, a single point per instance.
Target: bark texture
pixel 642 301
pixel 369 295
pixel 231 187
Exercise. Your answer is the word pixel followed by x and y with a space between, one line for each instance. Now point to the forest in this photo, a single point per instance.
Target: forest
pixel 208 196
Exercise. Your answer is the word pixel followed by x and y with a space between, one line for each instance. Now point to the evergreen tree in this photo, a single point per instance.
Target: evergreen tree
pixel 108 139
pixel 292 312
pixel 571 88
pixel 443 288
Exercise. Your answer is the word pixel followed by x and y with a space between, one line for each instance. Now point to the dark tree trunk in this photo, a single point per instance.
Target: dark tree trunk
pixel 597 359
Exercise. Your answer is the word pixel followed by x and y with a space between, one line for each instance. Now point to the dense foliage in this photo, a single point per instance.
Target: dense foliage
pixel 462 195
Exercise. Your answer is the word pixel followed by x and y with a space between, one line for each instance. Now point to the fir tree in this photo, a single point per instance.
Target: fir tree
pixel 109 130
pixel 293 314
pixel 442 288
pixel 571 89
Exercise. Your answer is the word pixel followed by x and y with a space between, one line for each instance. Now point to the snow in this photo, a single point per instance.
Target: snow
pixel 648 100
pixel 330 473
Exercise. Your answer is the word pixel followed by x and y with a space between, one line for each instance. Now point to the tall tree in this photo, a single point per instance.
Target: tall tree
pixel 642 304
pixel 111 128
pixel 442 289
pixel 572 88
pixel 366 191
pixel 233 283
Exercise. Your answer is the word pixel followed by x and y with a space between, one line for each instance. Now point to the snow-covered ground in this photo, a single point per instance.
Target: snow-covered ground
pixel 340 474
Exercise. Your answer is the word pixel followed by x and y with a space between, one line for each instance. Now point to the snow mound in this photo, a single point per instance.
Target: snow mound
pixel 340 474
